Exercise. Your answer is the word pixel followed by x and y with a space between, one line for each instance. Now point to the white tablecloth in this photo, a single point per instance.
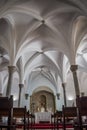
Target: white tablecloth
pixel 42 116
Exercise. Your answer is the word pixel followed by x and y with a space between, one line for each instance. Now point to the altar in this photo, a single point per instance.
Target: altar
pixel 42 116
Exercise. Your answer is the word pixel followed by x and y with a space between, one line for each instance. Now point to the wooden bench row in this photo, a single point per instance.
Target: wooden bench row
pixel 72 117
pixel 10 113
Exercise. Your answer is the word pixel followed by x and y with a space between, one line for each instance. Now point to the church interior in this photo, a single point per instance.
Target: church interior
pixel 43 53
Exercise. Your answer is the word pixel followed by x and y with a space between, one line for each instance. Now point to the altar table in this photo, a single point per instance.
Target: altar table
pixel 42 116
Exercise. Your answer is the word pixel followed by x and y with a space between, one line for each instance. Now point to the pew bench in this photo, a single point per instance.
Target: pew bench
pixel 20 116
pixel 81 103
pixel 69 115
pixel 31 120
pixel 56 119
pixel 6 112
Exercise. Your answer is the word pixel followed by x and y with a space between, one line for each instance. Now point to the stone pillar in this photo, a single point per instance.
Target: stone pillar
pixel 64 93
pixel 11 70
pixel 73 69
pixel 20 92
pixel 55 103
pixel 29 103
pixel 27 100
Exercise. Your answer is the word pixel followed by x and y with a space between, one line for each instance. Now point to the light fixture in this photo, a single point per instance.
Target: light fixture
pixel 58 96
pixel 26 96
pixel 70 98
pixel 14 97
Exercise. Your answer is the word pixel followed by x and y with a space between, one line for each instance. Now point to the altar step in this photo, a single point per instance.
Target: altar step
pixel 42 126
pixel 46 126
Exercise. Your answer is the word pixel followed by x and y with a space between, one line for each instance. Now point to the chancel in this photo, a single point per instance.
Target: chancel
pixel 43 55
pixel 40 101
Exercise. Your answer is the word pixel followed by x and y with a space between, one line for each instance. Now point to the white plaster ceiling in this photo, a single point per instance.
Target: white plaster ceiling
pixel 43 35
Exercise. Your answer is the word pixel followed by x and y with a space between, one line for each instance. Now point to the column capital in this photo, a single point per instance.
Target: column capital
pixel 11 68
pixel 21 85
pixel 73 68
pixel 63 84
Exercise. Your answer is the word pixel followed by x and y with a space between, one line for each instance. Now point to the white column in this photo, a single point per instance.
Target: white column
pixel 27 101
pixel 64 93
pixel 74 69
pixel 9 84
pixel 20 93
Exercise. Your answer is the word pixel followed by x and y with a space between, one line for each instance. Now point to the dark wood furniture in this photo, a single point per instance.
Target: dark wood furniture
pixel 31 120
pixel 57 117
pixel 6 111
pixel 28 122
pixel 81 103
pixel 69 115
pixel 20 113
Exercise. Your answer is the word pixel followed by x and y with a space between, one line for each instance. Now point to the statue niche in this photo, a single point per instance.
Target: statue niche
pixel 42 103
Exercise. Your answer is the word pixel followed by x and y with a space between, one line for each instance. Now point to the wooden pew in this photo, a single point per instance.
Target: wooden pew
pixel 20 113
pixel 81 103
pixel 69 114
pixel 28 122
pixel 57 119
pixel 52 118
pixel 6 111
pixel 59 116
pixel 31 120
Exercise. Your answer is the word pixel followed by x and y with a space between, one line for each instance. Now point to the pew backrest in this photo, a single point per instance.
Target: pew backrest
pixel 69 111
pixel 82 105
pixel 20 112
pixel 6 108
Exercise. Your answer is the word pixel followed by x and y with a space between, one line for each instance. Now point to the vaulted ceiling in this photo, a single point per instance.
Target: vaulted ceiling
pixel 43 38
